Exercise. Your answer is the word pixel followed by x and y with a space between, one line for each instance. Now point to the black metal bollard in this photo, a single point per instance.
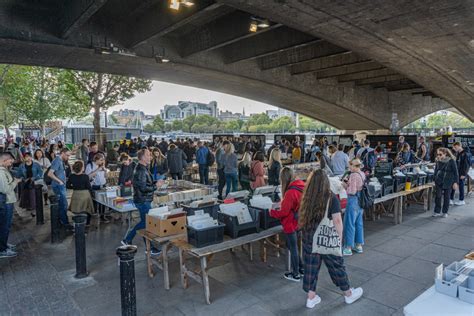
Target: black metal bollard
pixel 127 279
pixel 80 242
pixel 54 214
pixel 39 204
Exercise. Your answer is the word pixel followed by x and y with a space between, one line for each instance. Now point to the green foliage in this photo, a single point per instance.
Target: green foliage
pixel 259 119
pixel 442 119
pixel 157 125
pixel 37 94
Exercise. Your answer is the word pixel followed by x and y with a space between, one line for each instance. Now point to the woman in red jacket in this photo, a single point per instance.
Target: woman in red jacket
pixel 292 190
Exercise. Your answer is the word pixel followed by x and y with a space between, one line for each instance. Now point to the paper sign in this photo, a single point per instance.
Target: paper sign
pixel 439 272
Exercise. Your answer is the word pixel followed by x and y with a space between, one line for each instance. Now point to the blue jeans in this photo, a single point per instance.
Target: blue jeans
pixel 461 190
pixel 353 222
pixel 143 208
pixel 60 192
pixel 4 227
pixel 203 174
pixel 231 180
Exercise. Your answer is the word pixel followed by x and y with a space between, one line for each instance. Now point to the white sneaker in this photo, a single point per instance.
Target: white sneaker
pixel 436 215
pixel 445 215
pixel 312 303
pixel 451 202
pixel 459 203
pixel 355 295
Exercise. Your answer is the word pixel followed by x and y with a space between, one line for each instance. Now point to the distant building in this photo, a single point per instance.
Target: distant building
pixel 279 112
pixel 187 108
pixel 273 114
pixel 126 116
pixel 229 116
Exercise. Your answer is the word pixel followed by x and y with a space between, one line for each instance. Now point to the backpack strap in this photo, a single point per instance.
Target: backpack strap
pixel 294 187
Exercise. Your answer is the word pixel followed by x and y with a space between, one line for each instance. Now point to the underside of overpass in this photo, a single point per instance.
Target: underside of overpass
pixel 348 63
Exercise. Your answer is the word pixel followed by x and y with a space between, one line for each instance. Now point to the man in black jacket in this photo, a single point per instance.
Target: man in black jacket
pixel 143 190
pixel 463 164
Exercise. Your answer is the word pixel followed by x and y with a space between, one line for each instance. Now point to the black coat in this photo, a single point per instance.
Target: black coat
pixel 126 173
pixel 143 185
pixel 274 173
pixel 446 174
pixel 176 160
pixel 463 163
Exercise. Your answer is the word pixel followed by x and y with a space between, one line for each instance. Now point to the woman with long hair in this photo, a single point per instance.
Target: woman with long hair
pixel 244 171
pixel 446 179
pixel 317 198
pixel 274 167
pixel 44 162
pixel 405 155
pixel 257 171
pixel 354 216
pixel 158 165
pixel 230 168
pixel 292 190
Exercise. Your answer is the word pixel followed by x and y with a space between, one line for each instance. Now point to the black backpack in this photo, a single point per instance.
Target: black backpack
pixel 46 178
pixel 366 198
pixel 211 159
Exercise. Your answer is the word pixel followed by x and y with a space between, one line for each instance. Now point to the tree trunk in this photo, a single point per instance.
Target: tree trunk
pixel 96 122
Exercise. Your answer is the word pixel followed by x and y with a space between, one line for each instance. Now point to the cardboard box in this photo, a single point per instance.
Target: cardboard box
pixel 173 225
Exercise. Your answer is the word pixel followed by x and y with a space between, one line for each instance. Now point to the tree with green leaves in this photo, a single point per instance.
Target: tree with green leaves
pixel 36 95
pixel 7 117
pixel 100 91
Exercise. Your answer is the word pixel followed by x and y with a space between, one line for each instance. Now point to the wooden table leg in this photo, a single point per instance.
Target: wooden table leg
pixel 277 241
pixel 263 250
pixel 182 268
pixel 397 209
pixel 166 277
pixel 430 198
pixel 205 280
pixel 251 251
pixel 148 258
pixel 400 217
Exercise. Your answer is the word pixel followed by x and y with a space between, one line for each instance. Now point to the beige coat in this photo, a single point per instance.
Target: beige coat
pixel 7 185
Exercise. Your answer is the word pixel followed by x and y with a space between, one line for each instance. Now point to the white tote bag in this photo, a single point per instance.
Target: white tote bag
pixel 326 240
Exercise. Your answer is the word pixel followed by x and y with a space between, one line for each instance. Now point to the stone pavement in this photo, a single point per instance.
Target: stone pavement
pixel 397 265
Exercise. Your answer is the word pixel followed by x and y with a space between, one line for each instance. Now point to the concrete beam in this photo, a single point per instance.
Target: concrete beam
pixel 76 14
pixel 224 31
pixel 334 60
pixel 347 69
pixel 367 75
pixel 378 80
pixel 160 21
pixel 299 54
pixel 264 44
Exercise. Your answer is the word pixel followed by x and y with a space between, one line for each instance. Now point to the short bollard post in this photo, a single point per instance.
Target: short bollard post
pixel 80 241
pixel 127 279
pixel 39 204
pixel 54 214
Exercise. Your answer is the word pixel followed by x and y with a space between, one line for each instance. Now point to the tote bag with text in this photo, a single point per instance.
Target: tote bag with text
pixel 326 240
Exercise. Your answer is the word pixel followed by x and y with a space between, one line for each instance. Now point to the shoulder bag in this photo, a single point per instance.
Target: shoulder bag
pixel 326 240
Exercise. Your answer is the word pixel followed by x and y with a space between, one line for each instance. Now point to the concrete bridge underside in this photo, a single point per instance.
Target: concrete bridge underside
pixel 348 63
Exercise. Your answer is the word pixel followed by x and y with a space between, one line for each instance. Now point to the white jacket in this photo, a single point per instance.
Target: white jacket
pixel 7 185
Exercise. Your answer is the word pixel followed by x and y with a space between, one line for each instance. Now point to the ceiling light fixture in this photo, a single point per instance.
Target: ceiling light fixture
pixel 263 23
pixel 253 26
pixel 176 4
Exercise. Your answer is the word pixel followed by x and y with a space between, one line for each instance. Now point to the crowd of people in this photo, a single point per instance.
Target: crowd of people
pixel 304 206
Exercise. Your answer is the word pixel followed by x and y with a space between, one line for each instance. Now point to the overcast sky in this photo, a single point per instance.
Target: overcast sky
pixel 167 93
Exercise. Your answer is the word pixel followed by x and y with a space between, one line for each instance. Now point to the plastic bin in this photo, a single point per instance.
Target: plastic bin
pixel 399 184
pixel 205 237
pixel 266 221
pixel 445 286
pixel 466 290
pixel 210 209
pixel 421 180
pixel 232 227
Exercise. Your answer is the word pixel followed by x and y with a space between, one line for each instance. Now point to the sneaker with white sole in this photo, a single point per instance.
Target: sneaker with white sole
pixel 436 215
pixel 346 252
pixel 8 253
pixel 311 303
pixel 451 202
pixel 460 203
pixel 358 249
pixel 445 215
pixel 291 277
pixel 355 295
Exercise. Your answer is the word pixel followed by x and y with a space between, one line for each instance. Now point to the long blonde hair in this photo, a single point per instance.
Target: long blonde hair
pixel 447 152
pixel 275 155
pixel 246 159
pixel 229 149
pixel 316 195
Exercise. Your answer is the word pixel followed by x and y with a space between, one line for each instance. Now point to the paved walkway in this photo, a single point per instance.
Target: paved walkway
pixel 397 265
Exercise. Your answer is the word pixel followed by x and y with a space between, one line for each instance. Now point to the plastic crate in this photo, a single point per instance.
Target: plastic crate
pixel 399 184
pixel 205 237
pixel 232 227
pixel 387 189
pixel 266 221
pixel 466 290
pixel 445 286
pixel 210 209
pixel 429 178
pixel 421 180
